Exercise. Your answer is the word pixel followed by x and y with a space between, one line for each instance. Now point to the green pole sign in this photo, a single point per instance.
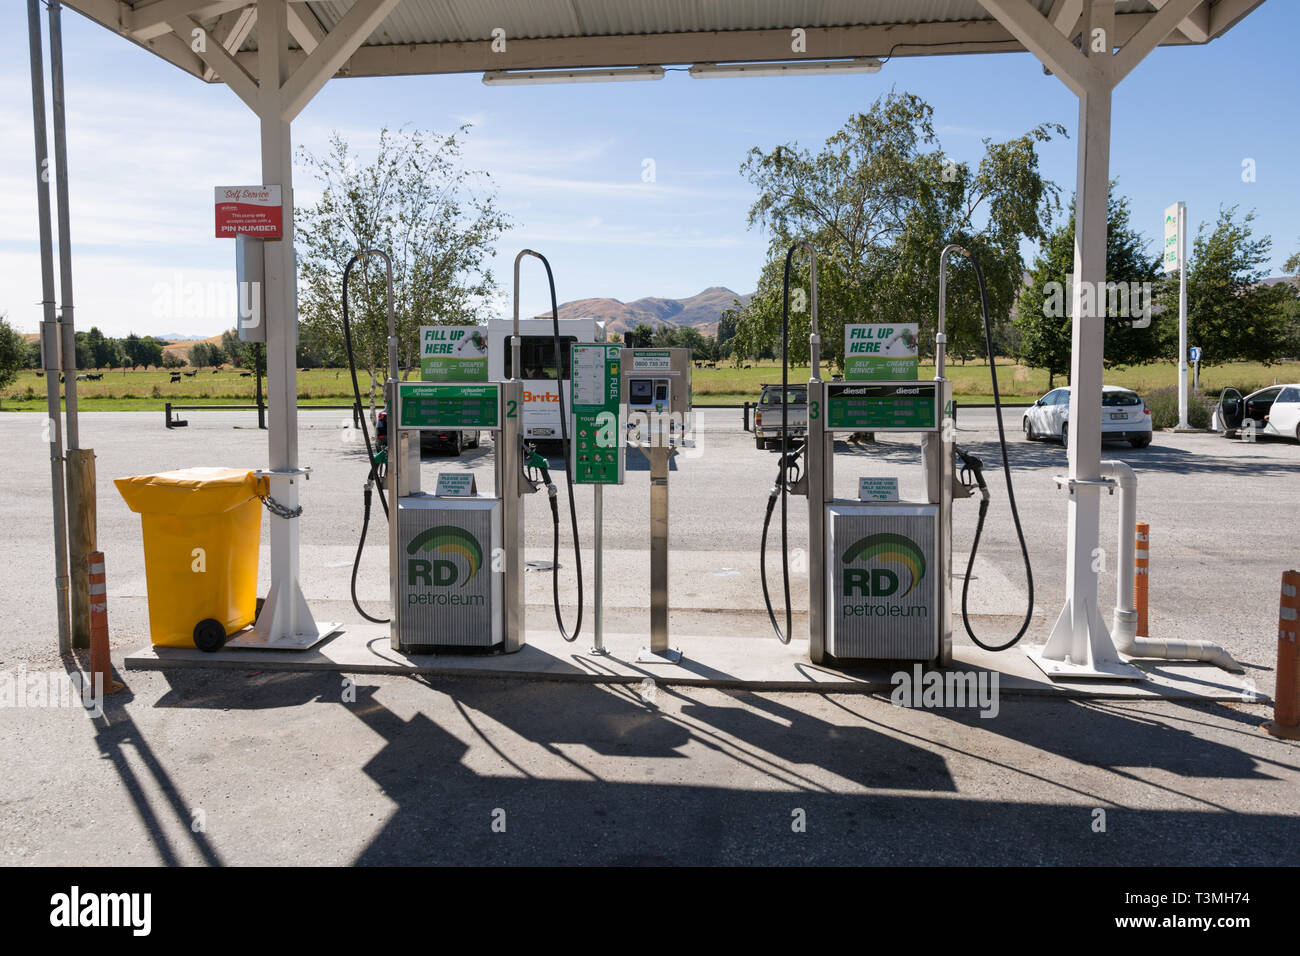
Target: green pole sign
pixel 453 353
pixel 597 441
pixel 880 353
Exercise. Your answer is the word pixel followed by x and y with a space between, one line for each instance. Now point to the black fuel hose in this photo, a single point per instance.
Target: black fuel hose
pixel 568 477
pixel 376 475
pixel 356 562
pixel 973 465
pixel 782 484
pixel 789 463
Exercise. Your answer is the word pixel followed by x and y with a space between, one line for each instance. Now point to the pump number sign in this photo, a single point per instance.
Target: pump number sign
pixel 447 406
pixel 881 407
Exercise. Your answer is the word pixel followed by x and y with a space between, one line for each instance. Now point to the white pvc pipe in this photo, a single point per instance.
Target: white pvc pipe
pixel 1124 626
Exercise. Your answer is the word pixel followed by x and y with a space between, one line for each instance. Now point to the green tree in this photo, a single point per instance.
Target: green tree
pixel 84 357
pixel 101 348
pixel 1291 309
pixel 13 352
pixel 142 351
pixel 1292 266
pixel 417 202
pixel 133 349
pixel 879 201
pixel 1231 313
pixel 151 351
pixel 644 333
pixel 233 349
pixel 205 355
pixel 1045 310
pixel 727 325
pixel 172 360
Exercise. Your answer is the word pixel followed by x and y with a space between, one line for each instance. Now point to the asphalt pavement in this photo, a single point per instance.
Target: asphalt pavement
pixel 309 769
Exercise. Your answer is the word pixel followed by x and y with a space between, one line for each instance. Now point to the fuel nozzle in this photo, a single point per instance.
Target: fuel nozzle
pixel 788 469
pixel 972 472
pixel 532 462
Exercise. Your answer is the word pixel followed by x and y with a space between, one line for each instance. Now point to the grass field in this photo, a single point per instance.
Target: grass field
pixel 148 390
pixel 1016 383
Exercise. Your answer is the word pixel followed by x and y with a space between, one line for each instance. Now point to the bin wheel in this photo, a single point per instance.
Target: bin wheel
pixel 209 635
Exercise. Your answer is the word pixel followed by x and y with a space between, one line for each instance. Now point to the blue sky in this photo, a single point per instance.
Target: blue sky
pixel 147 143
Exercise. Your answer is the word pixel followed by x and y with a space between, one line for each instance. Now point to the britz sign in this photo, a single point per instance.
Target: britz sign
pixel 253 210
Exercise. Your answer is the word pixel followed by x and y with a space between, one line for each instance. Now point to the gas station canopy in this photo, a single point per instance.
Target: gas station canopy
pixel 404 37
pixel 275 55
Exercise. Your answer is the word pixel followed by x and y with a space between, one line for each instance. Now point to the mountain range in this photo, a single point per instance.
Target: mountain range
pixel 699 311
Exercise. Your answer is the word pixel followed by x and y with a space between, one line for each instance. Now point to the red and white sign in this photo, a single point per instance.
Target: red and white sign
pixel 252 210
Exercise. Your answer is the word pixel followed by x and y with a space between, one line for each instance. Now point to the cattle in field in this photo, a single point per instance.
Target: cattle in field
pixel 176 377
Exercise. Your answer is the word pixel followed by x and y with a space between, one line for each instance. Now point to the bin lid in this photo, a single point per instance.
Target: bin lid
pixel 191 491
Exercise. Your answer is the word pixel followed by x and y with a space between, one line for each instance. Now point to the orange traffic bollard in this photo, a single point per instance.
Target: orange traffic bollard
pixel 101 662
pixel 1141 578
pixel 1286 699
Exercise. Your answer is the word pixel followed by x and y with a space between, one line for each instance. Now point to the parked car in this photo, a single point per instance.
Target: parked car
pixel 454 440
pixel 767 416
pixel 1274 410
pixel 1124 417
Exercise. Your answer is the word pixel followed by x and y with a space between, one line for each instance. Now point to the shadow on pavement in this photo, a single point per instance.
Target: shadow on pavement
pixel 870 792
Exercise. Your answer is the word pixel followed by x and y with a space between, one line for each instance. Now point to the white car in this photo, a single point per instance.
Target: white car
pixel 1124 417
pixel 1274 410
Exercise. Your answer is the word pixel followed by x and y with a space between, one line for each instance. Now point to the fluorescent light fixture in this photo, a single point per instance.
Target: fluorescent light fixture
pixel 521 77
pixel 865 64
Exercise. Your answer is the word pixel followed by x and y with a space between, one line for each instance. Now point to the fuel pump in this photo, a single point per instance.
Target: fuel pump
pixel 879 568
pixel 456 554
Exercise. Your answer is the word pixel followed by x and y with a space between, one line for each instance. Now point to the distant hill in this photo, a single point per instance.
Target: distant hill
pixel 699 311
pixel 182 347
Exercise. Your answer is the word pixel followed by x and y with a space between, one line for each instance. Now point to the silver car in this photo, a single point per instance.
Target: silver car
pixel 1124 417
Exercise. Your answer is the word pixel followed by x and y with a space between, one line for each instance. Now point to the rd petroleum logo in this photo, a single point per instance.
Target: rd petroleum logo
pixel 881 582
pixel 442 572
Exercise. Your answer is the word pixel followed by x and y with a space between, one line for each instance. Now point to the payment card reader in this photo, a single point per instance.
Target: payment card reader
pixel 657 394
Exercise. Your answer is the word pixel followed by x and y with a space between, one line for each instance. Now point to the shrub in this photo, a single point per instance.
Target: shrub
pixel 1163 403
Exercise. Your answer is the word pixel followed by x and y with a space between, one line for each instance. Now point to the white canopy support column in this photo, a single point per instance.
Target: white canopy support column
pixel 277 94
pixel 1080 644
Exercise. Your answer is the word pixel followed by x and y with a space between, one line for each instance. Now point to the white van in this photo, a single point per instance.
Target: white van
pixel 538 368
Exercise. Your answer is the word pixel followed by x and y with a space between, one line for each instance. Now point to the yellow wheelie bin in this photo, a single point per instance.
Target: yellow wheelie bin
pixel 202 528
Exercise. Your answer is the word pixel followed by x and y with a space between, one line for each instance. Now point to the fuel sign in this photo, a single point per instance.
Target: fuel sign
pixel 598 448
